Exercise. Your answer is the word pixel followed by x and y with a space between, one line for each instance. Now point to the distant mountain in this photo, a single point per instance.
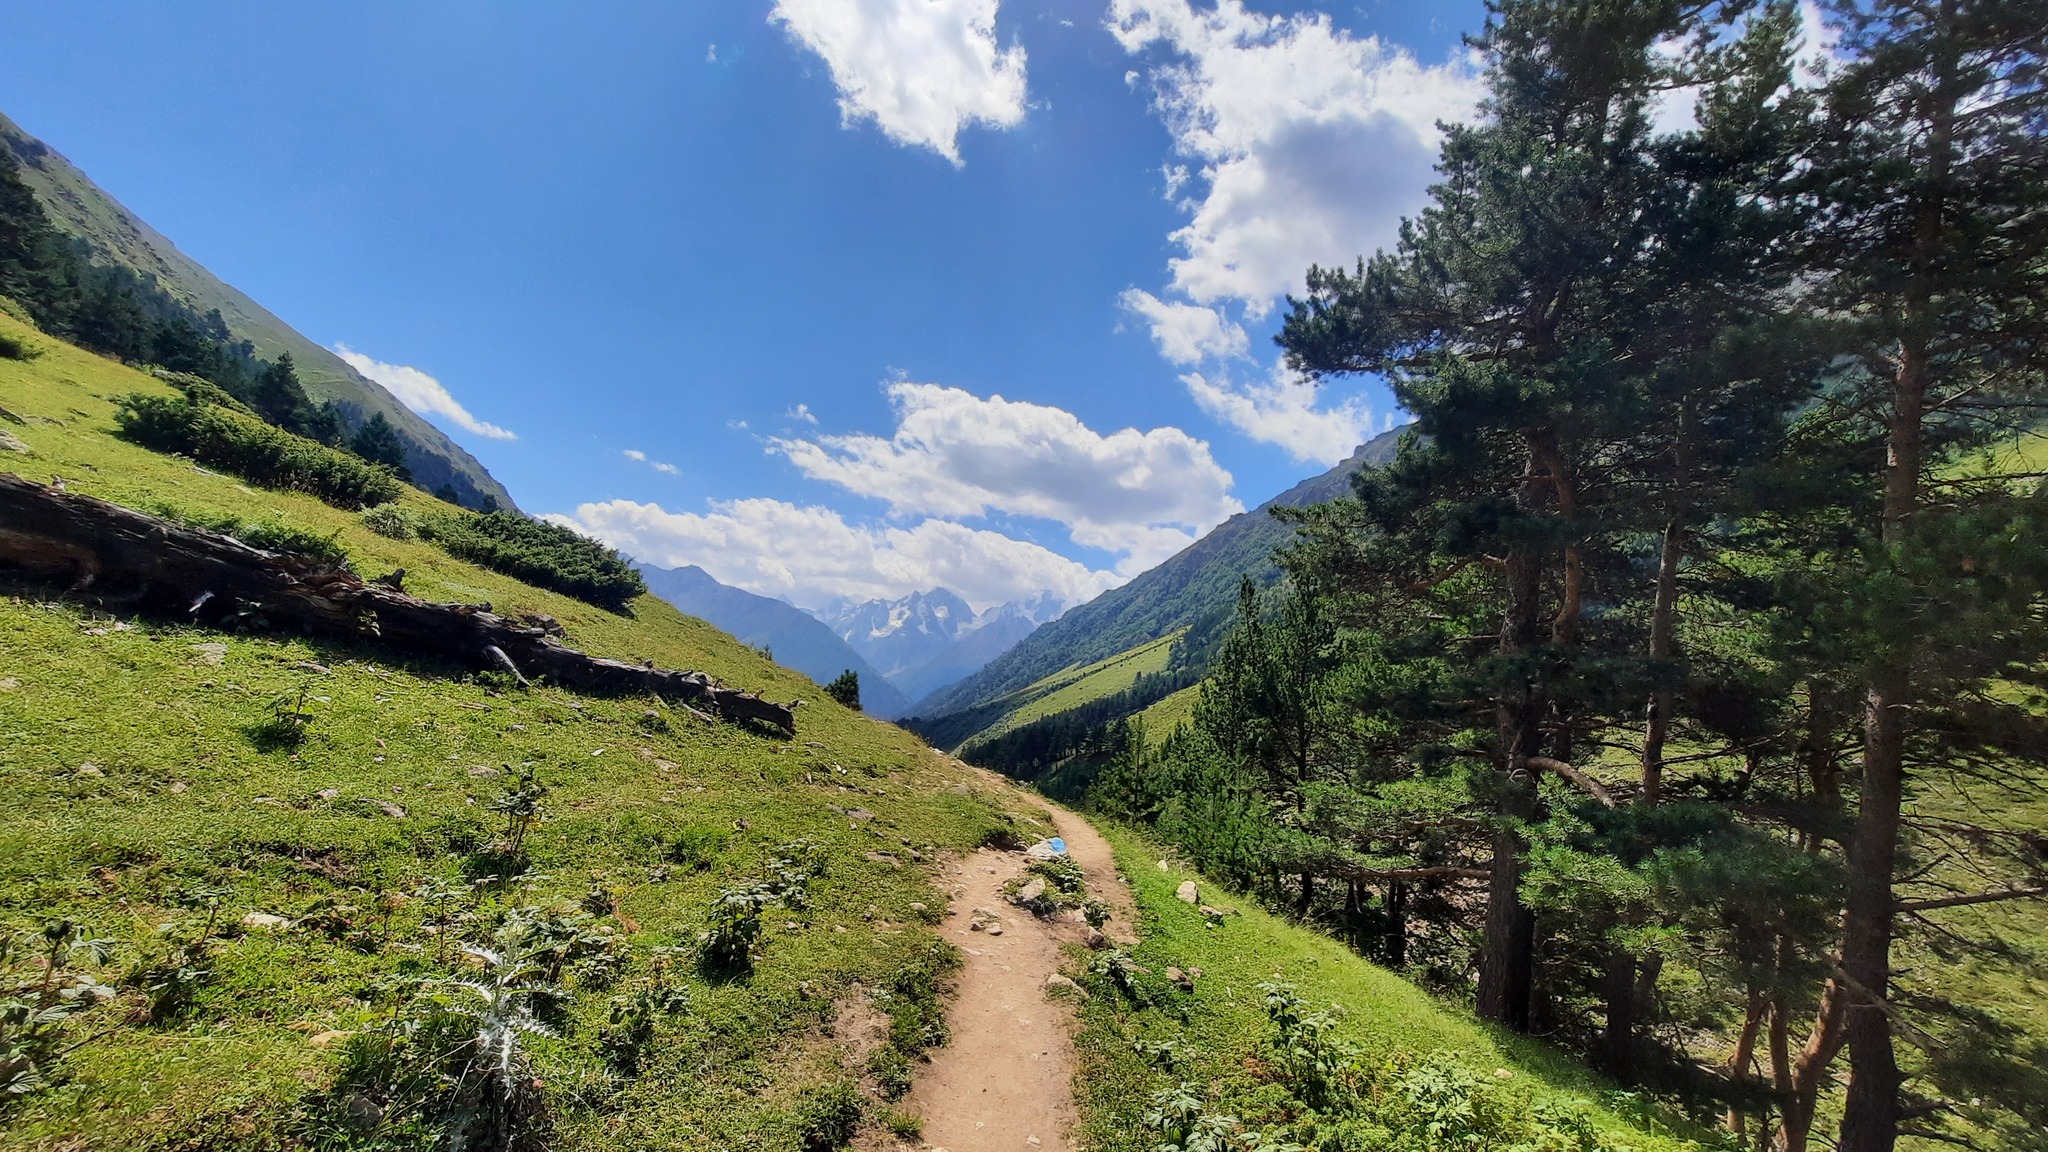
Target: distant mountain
pixel 929 640
pixel 795 637
pixel 115 236
pixel 1197 586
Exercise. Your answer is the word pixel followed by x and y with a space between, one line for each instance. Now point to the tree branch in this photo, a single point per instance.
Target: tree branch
pixel 1586 783
pixel 1977 898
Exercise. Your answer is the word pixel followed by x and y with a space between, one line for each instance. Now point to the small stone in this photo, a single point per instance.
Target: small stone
pixel 1187 893
pixel 90 769
pixel 1031 1140
pixel 9 684
pixel 9 442
pixel 483 771
pixel 310 666
pixel 179 785
pixel 265 922
pixel 212 653
pixel 363 1113
pixel 1033 890
pixel 1059 982
pixel 1094 939
pixel 789 925
pixel 995 929
pixel 390 809
pixel 917 906
pixel 330 793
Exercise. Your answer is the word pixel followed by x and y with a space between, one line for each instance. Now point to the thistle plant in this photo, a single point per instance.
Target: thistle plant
pixel 35 1007
pixel 521 806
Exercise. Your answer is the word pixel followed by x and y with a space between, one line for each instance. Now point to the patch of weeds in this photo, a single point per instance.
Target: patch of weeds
pixel 695 846
pixel 451 1062
pixel 828 1116
pixel 272 534
pixel 917 1015
pixel 14 347
pixel 903 1125
pixel 630 1025
pixel 42 988
pixel 172 979
pixel 519 802
pixel 725 947
pixel 288 723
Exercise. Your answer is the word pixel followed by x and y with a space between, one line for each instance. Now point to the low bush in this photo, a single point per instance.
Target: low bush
pixel 235 442
pixel 272 535
pixel 542 554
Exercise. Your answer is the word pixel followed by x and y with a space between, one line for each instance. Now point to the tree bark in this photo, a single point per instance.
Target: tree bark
pixel 1508 945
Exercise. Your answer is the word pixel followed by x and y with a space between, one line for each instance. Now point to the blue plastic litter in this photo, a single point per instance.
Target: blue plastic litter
pixel 1058 845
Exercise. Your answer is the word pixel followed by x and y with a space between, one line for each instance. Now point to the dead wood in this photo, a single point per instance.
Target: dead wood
pixel 85 544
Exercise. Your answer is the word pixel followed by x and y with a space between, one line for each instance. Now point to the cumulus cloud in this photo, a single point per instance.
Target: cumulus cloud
pixel 1186 333
pixel 954 454
pixel 803 412
pixel 1282 410
pixel 419 392
pixel 922 70
pixel 812 556
pixel 1310 144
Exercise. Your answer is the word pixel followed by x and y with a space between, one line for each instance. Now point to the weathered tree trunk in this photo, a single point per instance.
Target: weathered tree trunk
pixel 1508 947
pixel 189 574
pixel 1744 1054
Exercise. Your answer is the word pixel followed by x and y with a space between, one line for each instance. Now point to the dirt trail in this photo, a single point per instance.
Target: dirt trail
pixel 1005 1082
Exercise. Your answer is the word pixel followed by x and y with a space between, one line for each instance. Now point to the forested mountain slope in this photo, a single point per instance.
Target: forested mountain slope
pixel 118 237
pixel 1196 584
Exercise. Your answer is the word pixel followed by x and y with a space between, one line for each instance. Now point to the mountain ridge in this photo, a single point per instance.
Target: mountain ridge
pixel 82 209
pixel 793 637
pixel 1197 581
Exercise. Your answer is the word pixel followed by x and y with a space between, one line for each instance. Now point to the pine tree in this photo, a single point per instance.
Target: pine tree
pixel 1933 238
pixel 845 688
pixel 378 442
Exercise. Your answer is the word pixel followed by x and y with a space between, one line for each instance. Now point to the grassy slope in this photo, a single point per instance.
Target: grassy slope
pixel 1161 718
pixel 131 776
pixel 83 209
pixel 1061 691
pixel 1227 1026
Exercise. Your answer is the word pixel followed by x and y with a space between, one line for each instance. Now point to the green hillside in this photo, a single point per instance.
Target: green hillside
pixel 118 237
pixel 272 891
pixel 1142 1036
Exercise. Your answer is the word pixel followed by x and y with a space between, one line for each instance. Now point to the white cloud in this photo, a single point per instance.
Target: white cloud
pixel 419 392
pixel 639 457
pixel 1311 144
pixel 1818 39
pixel 922 70
pixel 812 555
pixel 1186 333
pixel 803 412
pixel 1282 410
pixel 1144 494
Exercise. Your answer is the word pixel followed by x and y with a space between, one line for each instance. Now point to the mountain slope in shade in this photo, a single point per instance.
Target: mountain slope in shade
pixel 1196 583
pixel 117 236
pixel 794 638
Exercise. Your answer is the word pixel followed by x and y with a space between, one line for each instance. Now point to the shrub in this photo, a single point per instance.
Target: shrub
pixel 542 554
pixel 272 535
pixel 14 347
pixel 244 445
pixel 392 521
pixel 846 689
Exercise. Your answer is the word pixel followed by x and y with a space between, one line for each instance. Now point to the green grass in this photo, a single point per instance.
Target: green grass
pixel 1062 691
pixel 1163 717
pixel 137 769
pixel 1225 1033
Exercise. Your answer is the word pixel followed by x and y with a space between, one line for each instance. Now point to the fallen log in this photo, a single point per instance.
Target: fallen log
pixel 85 544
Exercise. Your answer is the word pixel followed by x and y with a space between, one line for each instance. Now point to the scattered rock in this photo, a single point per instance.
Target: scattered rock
pixel 310 666
pixel 9 684
pixel 212 652
pixel 363 1113
pixel 1094 939
pixel 917 907
pixel 9 442
pixel 1185 980
pixel 90 769
pixel 1058 982
pixel 330 793
pixel 390 809
pixel 1187 893
pixel 483 771
pixel 324 1039
pixel 265 922
pixel 179 785
pixel 1032 891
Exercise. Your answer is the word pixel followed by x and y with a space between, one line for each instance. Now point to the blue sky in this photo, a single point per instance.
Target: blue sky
pixel 738 283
